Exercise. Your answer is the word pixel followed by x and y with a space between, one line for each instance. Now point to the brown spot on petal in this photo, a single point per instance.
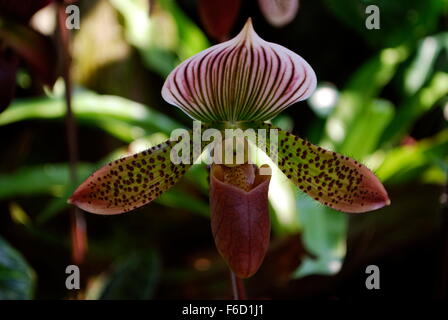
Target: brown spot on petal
pixel 330 178
pixel 120 187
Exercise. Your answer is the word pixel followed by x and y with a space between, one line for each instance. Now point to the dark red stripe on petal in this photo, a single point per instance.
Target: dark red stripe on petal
pixel 245 78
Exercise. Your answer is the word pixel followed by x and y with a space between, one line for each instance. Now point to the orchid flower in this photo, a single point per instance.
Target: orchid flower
pixel 241 83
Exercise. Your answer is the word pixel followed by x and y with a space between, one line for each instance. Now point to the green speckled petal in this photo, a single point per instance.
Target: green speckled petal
pixel 332 179
pixel 130 182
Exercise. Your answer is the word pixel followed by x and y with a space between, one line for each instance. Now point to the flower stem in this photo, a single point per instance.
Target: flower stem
pixel 238 289
pixel 77 221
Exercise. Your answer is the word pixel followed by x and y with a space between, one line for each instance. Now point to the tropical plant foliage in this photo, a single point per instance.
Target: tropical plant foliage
pixel 381 99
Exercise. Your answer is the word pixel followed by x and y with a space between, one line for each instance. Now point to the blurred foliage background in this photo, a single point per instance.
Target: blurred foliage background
pixel 382 99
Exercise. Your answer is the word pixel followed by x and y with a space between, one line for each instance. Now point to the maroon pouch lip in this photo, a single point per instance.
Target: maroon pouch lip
pixel 240 223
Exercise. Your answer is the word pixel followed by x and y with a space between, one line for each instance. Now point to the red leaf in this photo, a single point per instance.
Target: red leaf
pixel 218 17
pixel 37 50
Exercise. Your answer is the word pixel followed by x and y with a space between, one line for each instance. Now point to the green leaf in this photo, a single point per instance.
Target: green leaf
pixel 354 128
pixel 360 92
pixel 50 179
pixel 423 65
pixel 409 162
pixel 282 197
pixel 416 19
pixel 415 106
pixel 16 277
pixel 165 37
pixel 363 136
pixel 191 39
pixel 183 201
pixel 122 118
pixel 324 235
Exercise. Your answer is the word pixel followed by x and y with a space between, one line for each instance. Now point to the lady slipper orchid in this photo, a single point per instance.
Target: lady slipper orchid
pixel 237 84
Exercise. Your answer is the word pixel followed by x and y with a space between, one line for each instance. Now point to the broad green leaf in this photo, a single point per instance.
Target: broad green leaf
pixel 423 65
pixel 282 196
pixel 48 179
pixel 182 201
pixel 140 31
pixel 191 39
pixel 361 91
pixel 164 38
pixel 411 161
pixel 16 277
pixel 416 19
pixel 415 106
pixel 324 235
pixel 122 118
pixel 365 133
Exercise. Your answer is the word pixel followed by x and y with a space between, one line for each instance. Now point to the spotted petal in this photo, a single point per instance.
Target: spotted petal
pixel 130 182
pixel 332 179
pixel 245 78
